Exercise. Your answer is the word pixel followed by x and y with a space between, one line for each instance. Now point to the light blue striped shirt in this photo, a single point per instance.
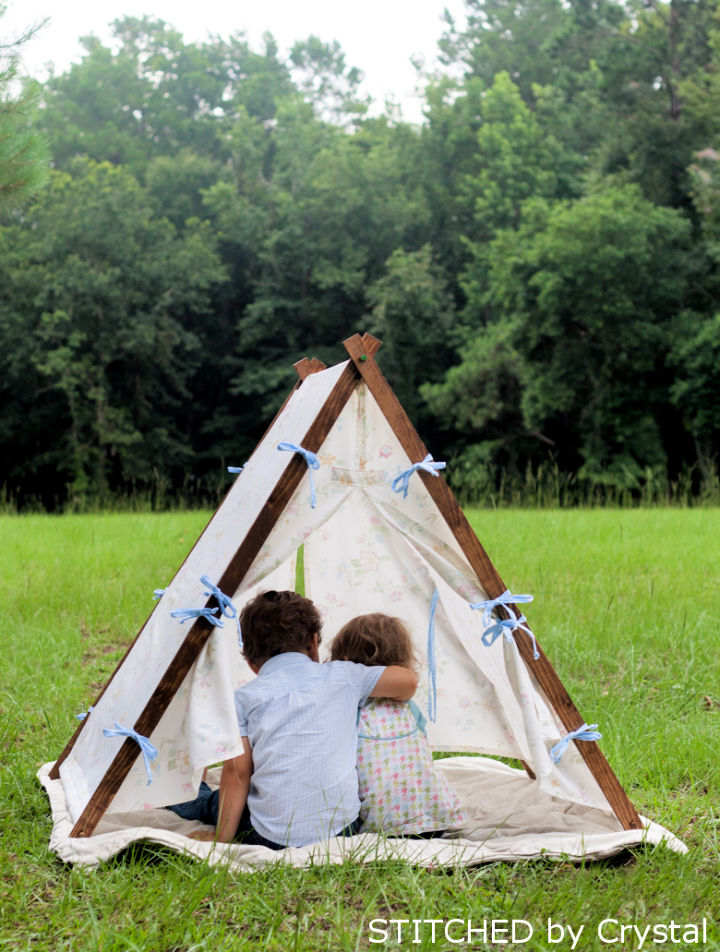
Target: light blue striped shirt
pixel 301 720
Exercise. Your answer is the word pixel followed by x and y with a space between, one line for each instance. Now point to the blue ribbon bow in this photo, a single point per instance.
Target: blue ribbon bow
pixel 149 752
pixel 506 600
pixel 428 465
pixel 83 714
pixel 312 463
pixel 432 666
pixel 185 614
pixel 158 593
pixel 504 626
pixel 584 732
pixel 501 626
pixel 235 469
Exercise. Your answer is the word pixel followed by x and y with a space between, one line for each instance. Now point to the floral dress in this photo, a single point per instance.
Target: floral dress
pixel 400 791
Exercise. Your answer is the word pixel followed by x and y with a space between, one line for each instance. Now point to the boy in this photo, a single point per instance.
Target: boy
pixel 296 780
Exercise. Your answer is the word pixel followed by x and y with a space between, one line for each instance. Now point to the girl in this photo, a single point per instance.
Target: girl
pixel 400 792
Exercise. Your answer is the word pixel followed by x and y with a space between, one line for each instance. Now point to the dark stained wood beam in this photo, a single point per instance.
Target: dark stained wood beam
pixel 489 578
pixel 233 575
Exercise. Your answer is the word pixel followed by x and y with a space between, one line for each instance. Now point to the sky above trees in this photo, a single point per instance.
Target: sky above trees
pixel 378 37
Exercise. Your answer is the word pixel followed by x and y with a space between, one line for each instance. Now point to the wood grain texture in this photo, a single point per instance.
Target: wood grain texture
pixel 489 578
pixel 308 366
pixel 229 582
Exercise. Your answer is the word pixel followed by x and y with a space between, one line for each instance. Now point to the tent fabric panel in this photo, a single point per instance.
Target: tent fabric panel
pixel 571 777
pixel 351 571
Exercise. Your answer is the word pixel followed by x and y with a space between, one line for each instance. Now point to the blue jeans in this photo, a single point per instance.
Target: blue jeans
pixel 206 807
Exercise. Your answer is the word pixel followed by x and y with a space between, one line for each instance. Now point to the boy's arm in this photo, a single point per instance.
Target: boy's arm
pixel 234 786
pixel 396 683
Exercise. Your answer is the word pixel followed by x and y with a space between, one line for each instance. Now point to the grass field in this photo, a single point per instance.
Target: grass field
pixel 627 606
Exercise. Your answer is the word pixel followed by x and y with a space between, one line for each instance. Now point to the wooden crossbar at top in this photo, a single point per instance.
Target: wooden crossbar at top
pixel 308 366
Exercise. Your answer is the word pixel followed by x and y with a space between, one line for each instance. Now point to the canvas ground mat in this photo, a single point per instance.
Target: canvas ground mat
pixel 508 819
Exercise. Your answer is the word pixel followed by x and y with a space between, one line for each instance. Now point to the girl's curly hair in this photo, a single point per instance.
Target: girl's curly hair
pixel 375 639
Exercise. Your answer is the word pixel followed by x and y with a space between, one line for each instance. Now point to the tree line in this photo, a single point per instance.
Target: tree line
pixel 539 257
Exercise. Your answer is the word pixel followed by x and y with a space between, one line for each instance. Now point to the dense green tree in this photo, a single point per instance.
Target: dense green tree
pixel 218 212
pixel 324 79
pixel 653 57
pixel 695 349
pixel 695 391
pixel 412 313
pixel 524 40
pixel 516 159
pixel 100 315
pixel 616 79
pixel 177 184
pixel 449 155
pixel 313 217
pixel 580 306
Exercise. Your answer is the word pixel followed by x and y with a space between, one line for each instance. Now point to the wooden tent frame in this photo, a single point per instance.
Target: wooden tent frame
pixel 361 367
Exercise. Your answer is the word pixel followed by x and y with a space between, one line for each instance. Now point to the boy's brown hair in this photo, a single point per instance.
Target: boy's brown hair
pixel 375 639
pixel 275 622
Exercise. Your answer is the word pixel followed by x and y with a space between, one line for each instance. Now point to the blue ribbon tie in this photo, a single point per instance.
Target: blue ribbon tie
pixel 149 752
pixel 401 482
pixel 523 627
pixel 235 469
pixel 506 600
pixel 504 626
pixel 312 463
pixel 224 601
pixel 83 714
pixel 582 733
pixel 227 608
pixel 158 593
pixel 185 614
pixel 432 666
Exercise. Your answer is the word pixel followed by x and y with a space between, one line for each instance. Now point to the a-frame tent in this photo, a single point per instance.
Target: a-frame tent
pixel 366 548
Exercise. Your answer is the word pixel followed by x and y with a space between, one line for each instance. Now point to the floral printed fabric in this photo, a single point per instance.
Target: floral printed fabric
pixel 400 792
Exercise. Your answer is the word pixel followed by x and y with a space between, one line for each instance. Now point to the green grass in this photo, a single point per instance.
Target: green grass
pixel 627 607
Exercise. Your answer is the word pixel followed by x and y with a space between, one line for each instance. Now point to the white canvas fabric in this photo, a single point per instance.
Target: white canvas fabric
pixel 366 548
